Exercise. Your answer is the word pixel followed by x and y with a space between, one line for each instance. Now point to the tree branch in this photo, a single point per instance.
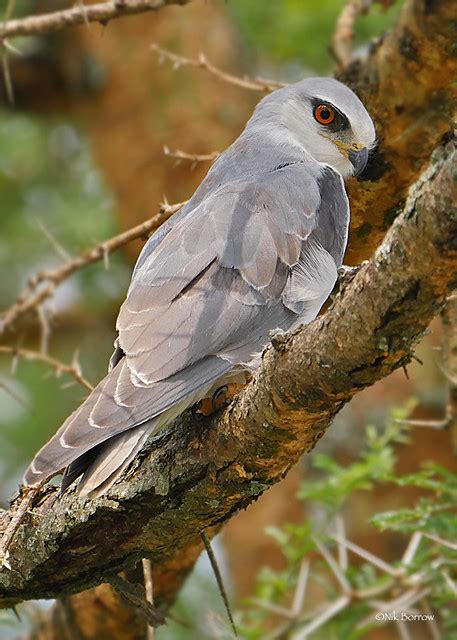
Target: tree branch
pixel 202 470
pixel 101 12
pixel 73 369
pixel 33 297
pixel 202 62
pixel 344 34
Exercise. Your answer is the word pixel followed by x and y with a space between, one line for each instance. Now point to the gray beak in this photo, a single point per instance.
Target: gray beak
pixel 358 160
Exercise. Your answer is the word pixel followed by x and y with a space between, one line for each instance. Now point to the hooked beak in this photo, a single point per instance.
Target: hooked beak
pixel 358 159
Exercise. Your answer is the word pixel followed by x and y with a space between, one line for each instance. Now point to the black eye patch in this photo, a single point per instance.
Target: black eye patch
pixel 340 122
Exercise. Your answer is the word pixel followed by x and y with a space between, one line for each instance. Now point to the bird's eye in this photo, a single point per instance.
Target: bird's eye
pixel 324 114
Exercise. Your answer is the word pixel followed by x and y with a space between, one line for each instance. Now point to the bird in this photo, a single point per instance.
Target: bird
pixel 257 248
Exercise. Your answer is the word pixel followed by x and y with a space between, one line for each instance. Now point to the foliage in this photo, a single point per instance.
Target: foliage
pixel 421 581
pixel 427 528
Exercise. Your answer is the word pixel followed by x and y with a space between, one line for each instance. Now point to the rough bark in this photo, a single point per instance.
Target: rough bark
pixel 202 471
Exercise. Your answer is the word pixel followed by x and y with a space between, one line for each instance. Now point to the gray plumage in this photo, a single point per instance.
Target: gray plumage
pixel 256 248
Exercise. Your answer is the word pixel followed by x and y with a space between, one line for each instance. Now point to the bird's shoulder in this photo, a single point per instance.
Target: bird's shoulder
pixel 284 197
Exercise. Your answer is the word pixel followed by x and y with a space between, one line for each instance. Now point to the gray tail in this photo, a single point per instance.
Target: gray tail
pixel 101 466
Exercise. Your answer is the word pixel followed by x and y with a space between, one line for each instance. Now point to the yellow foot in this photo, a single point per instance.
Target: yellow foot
pixel 220 398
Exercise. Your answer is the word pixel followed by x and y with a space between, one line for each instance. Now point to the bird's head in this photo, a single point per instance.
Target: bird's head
pixel 327 120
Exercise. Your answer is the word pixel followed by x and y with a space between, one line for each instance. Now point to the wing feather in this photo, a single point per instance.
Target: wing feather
pixel 250 257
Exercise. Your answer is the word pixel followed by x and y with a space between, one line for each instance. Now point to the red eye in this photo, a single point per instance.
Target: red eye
pixel 324 113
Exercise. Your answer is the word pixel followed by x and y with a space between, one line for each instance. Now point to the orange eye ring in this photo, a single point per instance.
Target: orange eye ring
pixel 324 114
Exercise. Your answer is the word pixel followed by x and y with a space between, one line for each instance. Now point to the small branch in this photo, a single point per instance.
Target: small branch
pixel 28 496
pixel 332 563
pixel 219 580
pixel 60 251
pixel 4 53
pixel 324 616
pixel 342 549
pixel 445 543
pixel 149 591
pixel 6 388
pixel 428 424
pixel 368 556
pixel 344 34
pixel 59 367
pixel 31 298
pixel 194 158
pixel 101 12
pixel 411 549
pixel 449 351
pixel 255 84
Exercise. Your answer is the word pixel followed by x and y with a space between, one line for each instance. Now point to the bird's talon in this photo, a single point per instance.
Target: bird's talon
pixel 220 399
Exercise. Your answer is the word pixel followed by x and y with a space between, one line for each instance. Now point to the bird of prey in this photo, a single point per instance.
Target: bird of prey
pixel 256 248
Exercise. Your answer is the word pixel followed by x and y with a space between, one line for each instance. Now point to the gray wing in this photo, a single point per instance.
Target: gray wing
pixel 203 301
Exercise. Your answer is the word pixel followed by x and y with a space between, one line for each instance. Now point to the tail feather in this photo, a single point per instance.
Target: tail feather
pixel 112 459
pixel 81 439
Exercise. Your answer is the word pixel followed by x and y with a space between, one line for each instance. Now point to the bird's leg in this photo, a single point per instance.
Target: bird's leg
pixel 222 397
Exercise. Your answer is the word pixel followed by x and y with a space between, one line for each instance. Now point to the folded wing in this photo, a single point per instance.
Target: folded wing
pixel 201 302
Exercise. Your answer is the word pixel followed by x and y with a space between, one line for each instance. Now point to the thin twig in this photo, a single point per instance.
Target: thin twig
pixel 430 424
pixel 149 590
pixel 333 564
pixel 433 627
pixel 28 495
pixel 298 599
pixel 219 580
pixel 255 84
pixel 53 241
pixel 403 630
pixel 344 33
pixel 412 548
pixel 445 543
pixel 370 557
pixel 449 368
pixel 4 52
pixel 101 12
pixel 328 613
pixel 45 332
pixel 403 602
pixel 7 389
pixel 31 298
pixel 300 591
pixel 342 549
pixel 193 158
pixel 59 367
pixel 449 581
pixel 83 8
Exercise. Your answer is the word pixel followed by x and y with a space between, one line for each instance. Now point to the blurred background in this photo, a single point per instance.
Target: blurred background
pixel 82 158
